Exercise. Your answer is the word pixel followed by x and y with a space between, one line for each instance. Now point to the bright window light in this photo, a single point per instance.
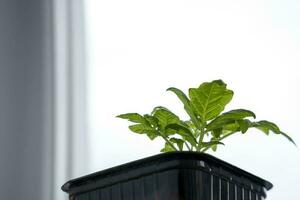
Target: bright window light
pixel 136 49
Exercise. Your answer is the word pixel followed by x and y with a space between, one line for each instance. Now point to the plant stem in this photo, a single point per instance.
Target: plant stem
pixel 221 138
pixel 200 141
pixel 188 147
pixel 202 133
pixel 170 143
pixel 167 141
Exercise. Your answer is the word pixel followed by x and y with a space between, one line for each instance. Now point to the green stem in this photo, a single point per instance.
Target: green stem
pixel 202 133
pixel 170 143
pixel 188 147
pixel 200 141
pixel 167 141
pixel 221 138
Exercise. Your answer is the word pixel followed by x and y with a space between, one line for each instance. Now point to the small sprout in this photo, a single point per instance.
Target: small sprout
pixel 208 125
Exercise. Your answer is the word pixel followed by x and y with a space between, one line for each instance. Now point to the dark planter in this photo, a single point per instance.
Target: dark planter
pixel 170 176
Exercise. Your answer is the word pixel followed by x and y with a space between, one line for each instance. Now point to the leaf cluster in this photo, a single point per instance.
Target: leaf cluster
pixel 207 126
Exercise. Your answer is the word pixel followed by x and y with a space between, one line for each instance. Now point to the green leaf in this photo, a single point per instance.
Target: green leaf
pixel 183 130
pixel 288 137
pixel 192 128
pixel 167 148
pixel 230 127
pixel 217 124
pixel 232 120
pixel 235 114
pixel 211 143
pixel 178 142
pixel 267 126
pixel 216 133
pixel 180 128
pixel 133 117
pixel 214 148
pixel 144 129
pixel 210 99
pixel 164 117
pixel 204 106
pixel 153 121
pixel 187 105
pixel 243 125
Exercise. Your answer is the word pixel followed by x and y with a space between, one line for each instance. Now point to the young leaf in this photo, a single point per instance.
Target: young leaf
pixel 164 117
pixel 183 131
pixel 204 107
pixel 288 137
pixel 267 126
pixel 178 142
pixel 235 114
pixel 210 99
pixel 187 105
pixel 153 121
pixel 167 148
pixel 133 117
pixel 211 143
pixel 180 127
pixel 143 129
pixel 216 133
pixel 232 120
pixel 217 124
pixel 243 125
pixel 214 147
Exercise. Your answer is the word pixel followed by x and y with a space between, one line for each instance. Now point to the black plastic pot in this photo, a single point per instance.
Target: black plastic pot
pixel 170 176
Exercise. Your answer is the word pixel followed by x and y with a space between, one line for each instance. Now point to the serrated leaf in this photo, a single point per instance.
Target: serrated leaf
pixel 187 105
pixel 133 117
pixel 210 99
pixel 178 142
pixel 144 129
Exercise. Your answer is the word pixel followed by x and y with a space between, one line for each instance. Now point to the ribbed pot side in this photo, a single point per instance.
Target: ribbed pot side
pixel 170 176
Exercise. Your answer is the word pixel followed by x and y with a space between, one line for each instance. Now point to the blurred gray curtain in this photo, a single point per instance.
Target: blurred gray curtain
pixel 42 97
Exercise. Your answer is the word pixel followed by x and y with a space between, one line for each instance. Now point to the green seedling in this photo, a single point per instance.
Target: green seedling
pixel 207 126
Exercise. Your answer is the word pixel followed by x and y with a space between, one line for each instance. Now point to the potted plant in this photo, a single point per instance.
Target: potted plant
pixel 184 171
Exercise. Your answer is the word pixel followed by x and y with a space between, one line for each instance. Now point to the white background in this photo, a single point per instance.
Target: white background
pixel 137 49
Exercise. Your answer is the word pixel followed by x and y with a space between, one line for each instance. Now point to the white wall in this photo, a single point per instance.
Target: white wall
pixel 137 49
